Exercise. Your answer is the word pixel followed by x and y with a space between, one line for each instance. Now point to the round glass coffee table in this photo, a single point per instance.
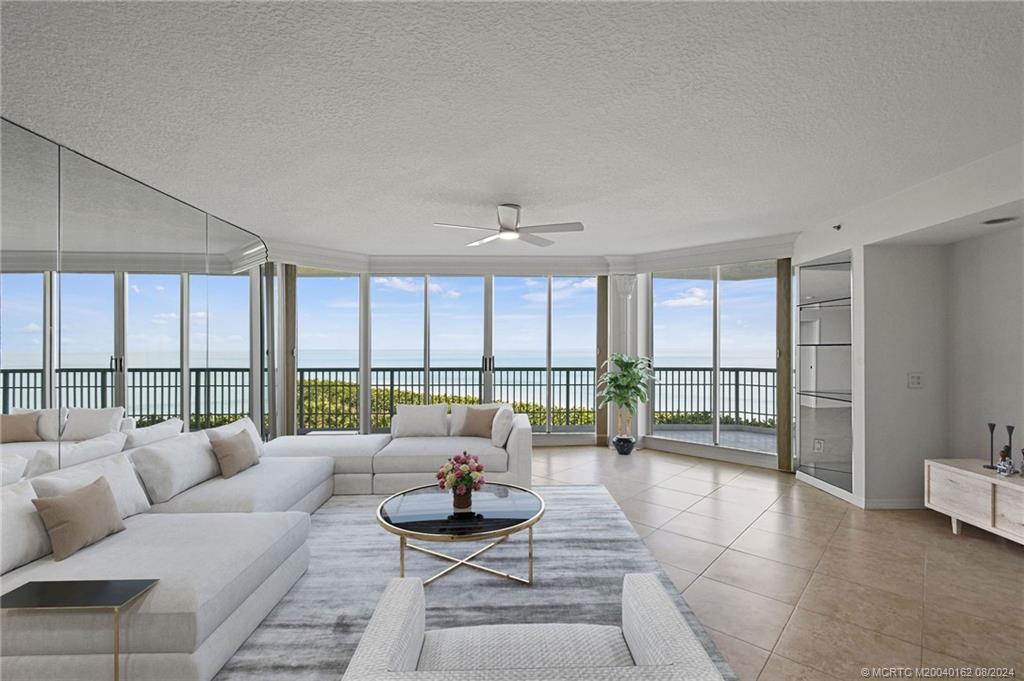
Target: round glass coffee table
pixel 426 514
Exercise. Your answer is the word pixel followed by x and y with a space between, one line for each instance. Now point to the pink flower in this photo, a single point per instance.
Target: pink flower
pixel 440 483
pixel 460 490
pixel 477 485
pixel 440 475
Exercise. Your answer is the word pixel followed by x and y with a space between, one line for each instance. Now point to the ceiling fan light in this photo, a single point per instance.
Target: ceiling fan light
pixel 508 235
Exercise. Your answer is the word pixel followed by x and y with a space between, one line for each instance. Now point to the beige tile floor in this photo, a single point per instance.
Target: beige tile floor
pixel 793 583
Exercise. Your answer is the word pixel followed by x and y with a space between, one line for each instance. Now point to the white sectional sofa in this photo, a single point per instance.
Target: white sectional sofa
pixel 225 550
pixel 654 644
pixel 386 463
pixel 220 574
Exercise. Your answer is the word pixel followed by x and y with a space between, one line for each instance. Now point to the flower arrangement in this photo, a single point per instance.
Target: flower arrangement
pixel 462 475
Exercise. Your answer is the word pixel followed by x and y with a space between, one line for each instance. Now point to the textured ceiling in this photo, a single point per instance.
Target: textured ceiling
pixel 354 126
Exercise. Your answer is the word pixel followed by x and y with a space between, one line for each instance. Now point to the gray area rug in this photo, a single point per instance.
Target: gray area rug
pixel 582 548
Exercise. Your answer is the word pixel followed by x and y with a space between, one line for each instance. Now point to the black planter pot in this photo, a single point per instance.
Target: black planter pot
pixel 624 445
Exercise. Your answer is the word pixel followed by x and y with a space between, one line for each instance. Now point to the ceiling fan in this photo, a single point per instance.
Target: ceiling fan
pixel 508 228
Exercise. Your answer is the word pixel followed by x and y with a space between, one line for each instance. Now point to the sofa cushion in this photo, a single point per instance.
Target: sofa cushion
pixel 277 484
pixel 170 467
pixel 51 421
pixel 23 536
pixel 207 566
pixel 524 646
pixel 19 427
pixel 36 454
pixel 85 424
pixel 427 454
pixel 351 453
pixel 420 420
pixel 12 469
pixel 238 426
pixel 501 427
pixel 117 470
pixel 79 518
pixel 140 437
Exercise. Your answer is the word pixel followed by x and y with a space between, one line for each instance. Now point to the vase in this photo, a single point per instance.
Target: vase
pixel 624 445
pixel 462 501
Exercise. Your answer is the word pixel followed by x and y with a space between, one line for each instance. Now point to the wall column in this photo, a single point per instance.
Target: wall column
pixel 622 320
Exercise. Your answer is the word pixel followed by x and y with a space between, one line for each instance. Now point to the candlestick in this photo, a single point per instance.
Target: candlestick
pixel 991 446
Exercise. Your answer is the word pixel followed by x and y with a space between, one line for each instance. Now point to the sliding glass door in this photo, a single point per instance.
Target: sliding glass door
pixel 22 336
pixel 327 344
pixel 714 354
pixel 87 368
pixel 218 348
pixel 153 347
pixel 573 353
pixel 456 338
pixel 397 353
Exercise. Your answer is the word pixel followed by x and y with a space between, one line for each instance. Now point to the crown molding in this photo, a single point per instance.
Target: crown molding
pixel 745 250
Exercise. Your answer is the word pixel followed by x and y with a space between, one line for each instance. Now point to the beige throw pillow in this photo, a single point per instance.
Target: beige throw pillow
pixel 19 427
pixel 478 422
pixel 234 453
pixel 79 518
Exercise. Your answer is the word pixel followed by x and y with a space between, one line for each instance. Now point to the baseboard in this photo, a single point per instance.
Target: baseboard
pixel 894 504
pixel 831 489
pixel 740 456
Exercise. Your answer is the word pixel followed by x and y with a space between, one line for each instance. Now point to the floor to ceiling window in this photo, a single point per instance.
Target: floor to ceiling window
pixel 218 348
pixel 573 353
pixel 21 340
pixel 735 307
pixel 684 387
pixel 327 340
pixel 520 345
pixel 86 375
pixel 456 338
pixel 153 347
pixel 397 357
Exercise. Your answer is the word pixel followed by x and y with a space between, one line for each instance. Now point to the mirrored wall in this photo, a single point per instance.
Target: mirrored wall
pixel 116 296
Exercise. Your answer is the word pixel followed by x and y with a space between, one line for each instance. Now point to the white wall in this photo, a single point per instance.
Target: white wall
pixel 905 330
pixel 986 341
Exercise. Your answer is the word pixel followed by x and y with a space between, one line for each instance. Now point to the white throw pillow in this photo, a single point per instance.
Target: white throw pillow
pixel 12 469
pixel 85 424
pixel 50 423
pixel 43 461
pixel 23 536
pixel 127 425
pixel 172 466
pixel 502 426
pixel 74 453
pixel 416 420
pixel 139 437
pixel 118 471
pixel 245 424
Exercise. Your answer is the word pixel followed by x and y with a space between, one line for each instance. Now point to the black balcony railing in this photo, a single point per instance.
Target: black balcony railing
pixel 328 398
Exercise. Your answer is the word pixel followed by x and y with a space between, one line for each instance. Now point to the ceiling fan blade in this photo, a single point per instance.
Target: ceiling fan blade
pixel 535 240
pixel 483 229
pixel 548 229
pixel 485 240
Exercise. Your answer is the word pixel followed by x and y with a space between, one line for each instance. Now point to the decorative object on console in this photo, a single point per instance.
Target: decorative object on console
pixel 624 384
pixel 1009 445
pixel 462 474
pixel 991 446
pixel 1005 466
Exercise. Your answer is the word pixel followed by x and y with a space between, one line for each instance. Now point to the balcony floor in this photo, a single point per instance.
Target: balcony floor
pixel 734 439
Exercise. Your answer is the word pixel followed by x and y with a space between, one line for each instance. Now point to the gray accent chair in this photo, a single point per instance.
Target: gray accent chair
pixel 654 644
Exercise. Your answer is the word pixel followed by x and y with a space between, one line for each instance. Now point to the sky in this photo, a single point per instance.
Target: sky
pixel 328 321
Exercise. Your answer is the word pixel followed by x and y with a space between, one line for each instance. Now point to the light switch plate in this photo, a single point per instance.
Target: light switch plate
pixel 915 380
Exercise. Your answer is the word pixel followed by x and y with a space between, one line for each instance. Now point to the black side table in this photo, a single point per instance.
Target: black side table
pixel 99 594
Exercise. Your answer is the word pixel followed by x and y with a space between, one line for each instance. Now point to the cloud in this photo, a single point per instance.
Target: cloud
pixel 407 284
pixel 158 288
pixel 695 296
pixel 163 317
pixel 562 288
pixel 136 289
pixel 198 316
pixel 31 327
pixel 343 304
pixel 437 289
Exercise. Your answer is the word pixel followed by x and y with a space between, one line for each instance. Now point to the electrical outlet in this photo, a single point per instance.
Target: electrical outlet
pixel 819 446
pixel 915 380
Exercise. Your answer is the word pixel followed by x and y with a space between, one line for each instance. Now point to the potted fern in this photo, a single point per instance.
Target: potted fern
pixel 624 384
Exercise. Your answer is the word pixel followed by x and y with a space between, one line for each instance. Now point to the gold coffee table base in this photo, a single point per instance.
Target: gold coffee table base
pixel 468 560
